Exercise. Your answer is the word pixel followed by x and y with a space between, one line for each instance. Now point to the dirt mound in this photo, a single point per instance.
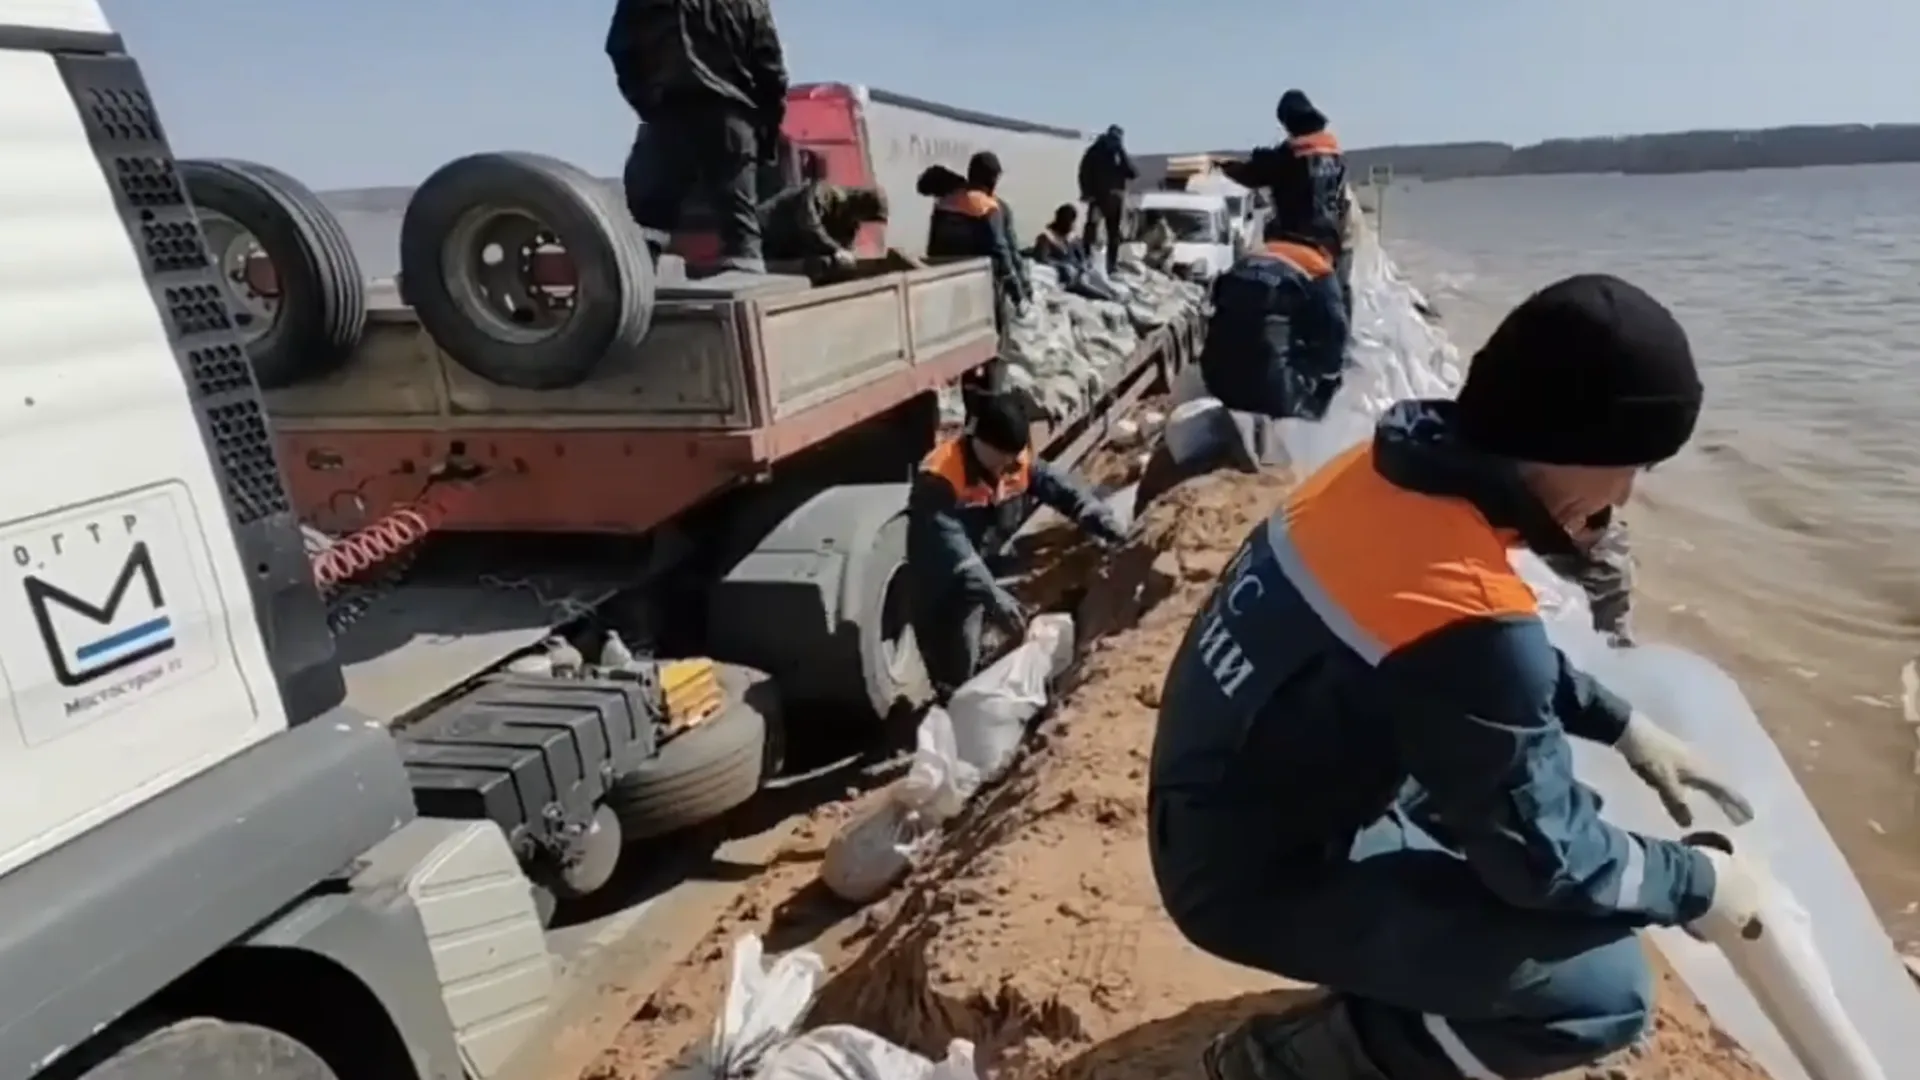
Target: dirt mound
pixel 1035 930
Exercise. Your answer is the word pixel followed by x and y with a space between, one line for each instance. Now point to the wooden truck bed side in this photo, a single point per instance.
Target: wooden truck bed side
pixel 723 387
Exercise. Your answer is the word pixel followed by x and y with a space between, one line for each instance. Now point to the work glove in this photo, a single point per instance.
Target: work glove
pixel 1665 763
pixel 1105 530
pixel 1008 614
pixel 842 259
pixel 1741 888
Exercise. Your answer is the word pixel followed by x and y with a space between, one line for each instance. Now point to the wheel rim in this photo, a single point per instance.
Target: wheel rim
pixel 247 275
pixel 509 272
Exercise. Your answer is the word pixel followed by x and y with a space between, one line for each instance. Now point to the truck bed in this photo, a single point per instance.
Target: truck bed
pixel 724 357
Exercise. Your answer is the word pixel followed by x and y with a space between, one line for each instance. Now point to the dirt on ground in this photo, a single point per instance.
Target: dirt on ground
pixel 1035 930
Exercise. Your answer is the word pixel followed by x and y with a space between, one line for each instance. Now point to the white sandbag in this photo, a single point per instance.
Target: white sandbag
pixel 874 851
pixel 845 1052
pixel 991 710
pixel 764 1007
pixel 939 779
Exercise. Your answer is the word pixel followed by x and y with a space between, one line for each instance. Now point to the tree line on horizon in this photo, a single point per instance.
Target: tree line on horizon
pixel 1672 152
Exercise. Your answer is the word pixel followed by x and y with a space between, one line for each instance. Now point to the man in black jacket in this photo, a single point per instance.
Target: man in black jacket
pixel 708 79
pixel 1105 170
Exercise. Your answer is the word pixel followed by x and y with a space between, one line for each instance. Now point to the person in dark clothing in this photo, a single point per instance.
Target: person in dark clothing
pixel 1056 245
pixel 709 82
pixel 1306 182
pixel 1276 342
pixel 817 222
pixel 1604 571
pixel 1105 171
pixel 970 495
pixel 1362 777
pixel 794 221
pixel 969 221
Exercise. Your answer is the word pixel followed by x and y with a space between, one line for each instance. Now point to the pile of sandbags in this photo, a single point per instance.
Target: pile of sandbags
pixel 1068 347
pixel 959 748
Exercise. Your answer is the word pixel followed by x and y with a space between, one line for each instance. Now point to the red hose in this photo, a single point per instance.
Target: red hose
pixel 388 538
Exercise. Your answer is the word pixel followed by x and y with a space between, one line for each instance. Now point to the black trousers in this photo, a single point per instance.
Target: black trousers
pixel 1103 210
pixel 710 149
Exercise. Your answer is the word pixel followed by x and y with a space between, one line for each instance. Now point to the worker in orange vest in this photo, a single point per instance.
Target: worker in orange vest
pixel 969 497
pixel 1277 339
pixel 1306 180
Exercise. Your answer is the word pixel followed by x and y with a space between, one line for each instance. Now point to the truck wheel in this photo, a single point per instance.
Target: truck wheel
pixel 890 659
pixel 214 1050
pixel 524 269
pixel 703 773
pixel 293 284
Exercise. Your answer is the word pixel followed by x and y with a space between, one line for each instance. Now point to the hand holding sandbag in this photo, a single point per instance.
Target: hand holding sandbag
pixel 1741 889
pixel 1667 764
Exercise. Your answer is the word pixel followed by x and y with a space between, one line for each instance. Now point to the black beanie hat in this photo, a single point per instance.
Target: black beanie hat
pixel 1000 421
pixel 1587 371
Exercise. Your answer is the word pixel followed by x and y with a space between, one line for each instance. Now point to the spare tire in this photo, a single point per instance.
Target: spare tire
pixel 524 269
pixel 294 286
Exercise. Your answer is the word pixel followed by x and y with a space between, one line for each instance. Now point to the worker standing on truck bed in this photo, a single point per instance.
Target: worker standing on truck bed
pixel 1276 341
pixel 709 80
pixel 1361 777
pixel 1306 181
pixel 970 495
pixel 1105 171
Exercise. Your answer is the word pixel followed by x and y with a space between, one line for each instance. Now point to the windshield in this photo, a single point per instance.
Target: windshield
pixel 1189 226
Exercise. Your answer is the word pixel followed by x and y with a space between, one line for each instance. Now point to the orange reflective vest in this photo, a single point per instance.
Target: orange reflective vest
pixel 949 462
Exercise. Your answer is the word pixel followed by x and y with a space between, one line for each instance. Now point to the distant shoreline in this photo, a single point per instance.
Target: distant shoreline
pixel 1660 154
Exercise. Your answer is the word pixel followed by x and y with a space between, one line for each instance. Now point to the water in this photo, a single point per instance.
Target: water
pixel 1782 542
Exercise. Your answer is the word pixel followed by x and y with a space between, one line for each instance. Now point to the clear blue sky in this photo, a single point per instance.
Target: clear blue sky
pixel 352 92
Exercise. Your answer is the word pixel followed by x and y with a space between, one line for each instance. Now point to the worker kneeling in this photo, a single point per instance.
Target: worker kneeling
pixel 1362 777
pixel 971 494
pixel 1277 340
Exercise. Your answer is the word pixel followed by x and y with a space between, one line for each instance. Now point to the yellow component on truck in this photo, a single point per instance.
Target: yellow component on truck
pixel 691 690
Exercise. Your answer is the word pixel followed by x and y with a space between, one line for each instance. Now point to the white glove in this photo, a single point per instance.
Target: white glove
pixel 844 259
pixel 1740 891
pixel 1665 763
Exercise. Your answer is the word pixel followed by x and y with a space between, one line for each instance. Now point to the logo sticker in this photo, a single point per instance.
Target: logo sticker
pixel 86 641
pixel 109 609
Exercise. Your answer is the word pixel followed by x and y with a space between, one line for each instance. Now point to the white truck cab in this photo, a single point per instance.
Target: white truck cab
pixel 207 865
pixel 1204 242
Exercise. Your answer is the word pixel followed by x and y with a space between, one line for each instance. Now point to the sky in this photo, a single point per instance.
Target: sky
pixel 344 93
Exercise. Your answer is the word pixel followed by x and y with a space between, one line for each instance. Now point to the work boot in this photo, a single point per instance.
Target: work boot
pixel 1315 1041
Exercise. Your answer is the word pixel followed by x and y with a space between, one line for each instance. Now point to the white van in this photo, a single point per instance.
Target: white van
pixel 1241 211
pixel 1203 235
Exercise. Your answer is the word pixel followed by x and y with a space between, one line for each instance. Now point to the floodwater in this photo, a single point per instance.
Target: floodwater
pixel 1783 542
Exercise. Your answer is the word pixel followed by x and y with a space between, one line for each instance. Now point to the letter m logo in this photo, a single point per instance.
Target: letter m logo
pixel 87 641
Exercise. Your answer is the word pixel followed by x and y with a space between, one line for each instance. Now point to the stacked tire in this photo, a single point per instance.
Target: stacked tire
pixel 320 309
pixel 613 299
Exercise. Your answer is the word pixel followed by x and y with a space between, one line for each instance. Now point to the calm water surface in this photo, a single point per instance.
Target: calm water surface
pixel 1783 542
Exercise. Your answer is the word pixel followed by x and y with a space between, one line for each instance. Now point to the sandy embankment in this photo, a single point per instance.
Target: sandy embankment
pixel 1035 930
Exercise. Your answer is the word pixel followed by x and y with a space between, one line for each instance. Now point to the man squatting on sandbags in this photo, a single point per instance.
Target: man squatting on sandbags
pixel 1362 777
